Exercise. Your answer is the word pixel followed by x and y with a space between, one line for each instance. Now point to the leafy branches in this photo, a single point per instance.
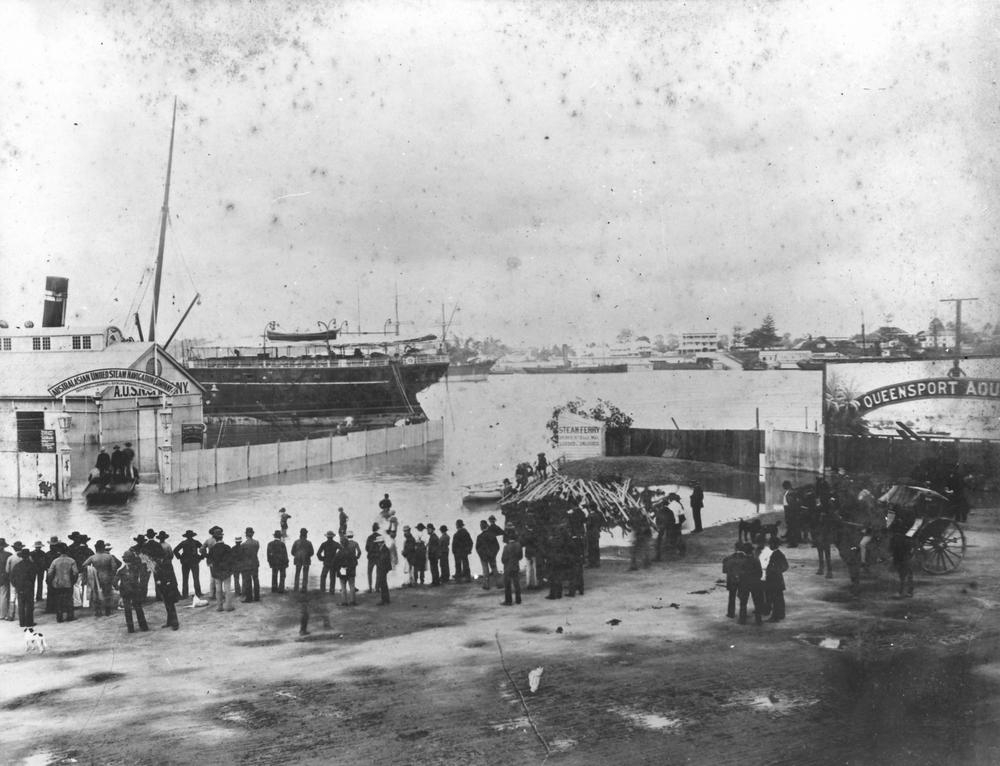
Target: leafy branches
pixel 614 419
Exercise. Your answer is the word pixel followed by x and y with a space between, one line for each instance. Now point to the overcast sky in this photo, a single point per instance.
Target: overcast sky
pixel 558 170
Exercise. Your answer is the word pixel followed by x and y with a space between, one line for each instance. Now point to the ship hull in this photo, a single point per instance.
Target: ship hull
pixel 317 394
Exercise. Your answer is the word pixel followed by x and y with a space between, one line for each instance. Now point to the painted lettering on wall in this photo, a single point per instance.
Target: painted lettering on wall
pixel 115 376
pixel 129 392
pixel 929 388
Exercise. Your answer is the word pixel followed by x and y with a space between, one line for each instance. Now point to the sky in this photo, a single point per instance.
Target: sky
pixel 559 171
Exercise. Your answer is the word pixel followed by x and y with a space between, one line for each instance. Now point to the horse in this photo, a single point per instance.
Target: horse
pixel 814 513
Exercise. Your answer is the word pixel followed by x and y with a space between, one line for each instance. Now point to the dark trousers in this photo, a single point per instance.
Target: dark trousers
pixel 278 580
pixel 512 580
pixel 576 578
pixel 26 607
pixel 303 571
pixel 594 549
pixel 327 571
pixel 382 584
pixel 776 599
pixel 462 572
pixel 435 572
pixel 193 570
pixel 731 605
pixel 371 571
pixel 445 571
pixel 39 584
pixel 251 585
pixel 696 517
pixel 171 607
pixel 555 585
pixel 130 604
pixel 754 592
pixel 62 603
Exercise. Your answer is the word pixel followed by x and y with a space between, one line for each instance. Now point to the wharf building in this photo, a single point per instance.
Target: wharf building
pixel 66 391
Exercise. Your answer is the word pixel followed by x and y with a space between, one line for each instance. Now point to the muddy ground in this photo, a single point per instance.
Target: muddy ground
pixel 645 668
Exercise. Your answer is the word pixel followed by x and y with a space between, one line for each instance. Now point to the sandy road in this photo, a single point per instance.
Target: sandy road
pixel 421 681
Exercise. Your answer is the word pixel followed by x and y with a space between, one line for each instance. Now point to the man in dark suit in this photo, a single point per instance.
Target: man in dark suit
pixel 188 553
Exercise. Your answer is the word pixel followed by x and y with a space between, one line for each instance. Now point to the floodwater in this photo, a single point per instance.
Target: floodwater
pixel 489 427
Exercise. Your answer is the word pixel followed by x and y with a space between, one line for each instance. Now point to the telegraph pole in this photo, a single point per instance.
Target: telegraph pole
pixel 956 370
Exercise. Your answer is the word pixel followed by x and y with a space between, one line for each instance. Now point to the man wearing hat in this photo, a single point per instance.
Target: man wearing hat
pixel 444 543
pixel 461 548
pixel 219 559
pixel 104 566
pixel 205 548
pixel 488 546
pixel 22 580
pixel 168 551
pixel 383 563
pixel 38 558
pixel 79 551
pixel 50 555
pixel 346 568
pixel 166 588
pixel 371 551
pixel 251 573
pixel 434 555
pixel 5 555
pixel 326 554
pixel 277 559
pixel 302 553
pixel 62 575
pixel 188 553
pixel 128 582
pixel 697 503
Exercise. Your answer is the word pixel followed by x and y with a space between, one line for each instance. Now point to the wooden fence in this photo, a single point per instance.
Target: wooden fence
pixel 194 469
pixel 896 456
pixel 739 449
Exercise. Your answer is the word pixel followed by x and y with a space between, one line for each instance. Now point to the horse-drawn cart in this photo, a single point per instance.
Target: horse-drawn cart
pixel 939 539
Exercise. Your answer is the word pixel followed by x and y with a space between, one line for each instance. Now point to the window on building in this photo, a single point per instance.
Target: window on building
pixel 41 344
pixel 81 341
pixel 4 344
pixel 29 430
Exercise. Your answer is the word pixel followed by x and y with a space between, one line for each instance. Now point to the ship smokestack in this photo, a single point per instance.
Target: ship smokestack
pixel 56 290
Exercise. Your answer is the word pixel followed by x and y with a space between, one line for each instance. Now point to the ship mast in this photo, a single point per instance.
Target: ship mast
pixel 164 215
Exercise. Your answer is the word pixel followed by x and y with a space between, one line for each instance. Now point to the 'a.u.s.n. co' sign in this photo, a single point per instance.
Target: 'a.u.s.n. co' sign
pixel 114 375
pixel 930 388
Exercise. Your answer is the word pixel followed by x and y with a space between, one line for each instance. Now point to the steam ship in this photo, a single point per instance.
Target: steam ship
pixel 317 379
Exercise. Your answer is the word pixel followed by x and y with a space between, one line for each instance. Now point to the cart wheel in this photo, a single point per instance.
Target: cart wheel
pixel 942 547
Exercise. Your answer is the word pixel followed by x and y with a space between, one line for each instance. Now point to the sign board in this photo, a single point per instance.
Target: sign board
pixel 580 437
pixel 192 433
pixel 929 397
pixel 112 376
pixel 47 440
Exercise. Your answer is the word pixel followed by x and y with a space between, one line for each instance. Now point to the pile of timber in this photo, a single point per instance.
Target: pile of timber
pixel 611 498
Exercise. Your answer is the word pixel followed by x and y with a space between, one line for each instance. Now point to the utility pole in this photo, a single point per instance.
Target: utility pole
pixel 956 370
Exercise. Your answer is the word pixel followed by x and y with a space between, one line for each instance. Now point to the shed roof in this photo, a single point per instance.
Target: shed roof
pixel 28 374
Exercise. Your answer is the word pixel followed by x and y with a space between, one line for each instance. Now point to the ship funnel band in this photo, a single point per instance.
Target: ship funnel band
pixel 56 291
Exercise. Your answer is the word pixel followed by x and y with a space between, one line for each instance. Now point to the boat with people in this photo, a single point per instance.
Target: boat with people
pixel 110 491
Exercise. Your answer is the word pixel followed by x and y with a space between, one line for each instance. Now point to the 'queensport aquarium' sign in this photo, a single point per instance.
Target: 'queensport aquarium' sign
pixel 929 388
pixel 115 376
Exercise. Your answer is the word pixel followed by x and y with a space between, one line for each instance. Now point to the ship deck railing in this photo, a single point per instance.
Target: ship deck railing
pixel 256 361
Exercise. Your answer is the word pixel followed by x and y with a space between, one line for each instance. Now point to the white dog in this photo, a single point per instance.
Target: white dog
pixel 34 642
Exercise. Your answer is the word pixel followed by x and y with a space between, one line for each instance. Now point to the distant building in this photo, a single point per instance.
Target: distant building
pixel 696 342
pixel 944 340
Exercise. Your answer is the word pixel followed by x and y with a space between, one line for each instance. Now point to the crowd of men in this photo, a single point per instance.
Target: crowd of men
pixel 69 575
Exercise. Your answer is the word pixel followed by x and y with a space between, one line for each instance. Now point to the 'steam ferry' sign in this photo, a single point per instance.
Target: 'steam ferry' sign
pixel 115 376
pixel 929 388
